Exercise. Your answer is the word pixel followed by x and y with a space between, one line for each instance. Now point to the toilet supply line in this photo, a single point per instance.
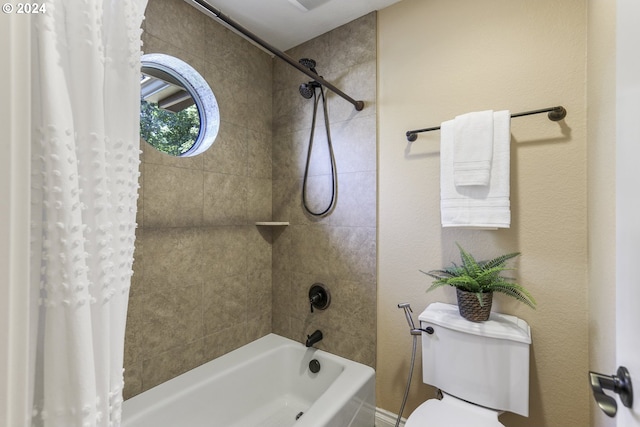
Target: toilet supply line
pixel 414 333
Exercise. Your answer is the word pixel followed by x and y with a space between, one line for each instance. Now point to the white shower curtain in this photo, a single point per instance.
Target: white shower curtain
pixel 85 162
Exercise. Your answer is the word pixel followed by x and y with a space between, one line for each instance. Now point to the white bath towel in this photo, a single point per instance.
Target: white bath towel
pixel 473 148
pixel 477 206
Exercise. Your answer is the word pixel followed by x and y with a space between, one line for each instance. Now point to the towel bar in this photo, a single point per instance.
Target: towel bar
pixel 555 114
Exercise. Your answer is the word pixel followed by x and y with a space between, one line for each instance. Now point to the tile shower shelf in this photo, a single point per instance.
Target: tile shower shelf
pixel 273 223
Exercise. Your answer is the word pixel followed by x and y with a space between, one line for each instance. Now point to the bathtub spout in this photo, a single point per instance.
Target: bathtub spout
pixel 314 338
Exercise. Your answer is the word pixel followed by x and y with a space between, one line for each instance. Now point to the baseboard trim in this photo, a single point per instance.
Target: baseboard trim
pixel 386 418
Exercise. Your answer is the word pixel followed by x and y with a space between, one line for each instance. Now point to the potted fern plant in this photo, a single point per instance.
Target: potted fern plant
pixel 475 282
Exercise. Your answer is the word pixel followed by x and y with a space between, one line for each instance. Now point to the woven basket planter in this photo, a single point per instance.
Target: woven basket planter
pixel 470 307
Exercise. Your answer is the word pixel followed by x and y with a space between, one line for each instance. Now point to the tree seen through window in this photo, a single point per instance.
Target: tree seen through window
pixel 169 132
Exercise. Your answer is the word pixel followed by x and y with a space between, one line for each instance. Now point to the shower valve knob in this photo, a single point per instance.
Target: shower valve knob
pixel 319 297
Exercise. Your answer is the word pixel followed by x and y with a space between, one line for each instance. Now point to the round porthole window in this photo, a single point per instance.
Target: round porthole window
pixel 179 114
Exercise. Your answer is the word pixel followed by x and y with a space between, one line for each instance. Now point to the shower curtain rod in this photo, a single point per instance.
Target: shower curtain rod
pixel 555 114
pixel 359 105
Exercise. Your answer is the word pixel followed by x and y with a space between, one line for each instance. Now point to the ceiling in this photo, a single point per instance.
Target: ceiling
pixel 288 23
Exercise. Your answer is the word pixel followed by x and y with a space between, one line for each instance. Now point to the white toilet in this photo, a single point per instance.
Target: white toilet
pixel 481 368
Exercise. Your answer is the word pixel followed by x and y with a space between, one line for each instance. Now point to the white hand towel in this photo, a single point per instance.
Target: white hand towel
pixel 477 206
pixel 473 148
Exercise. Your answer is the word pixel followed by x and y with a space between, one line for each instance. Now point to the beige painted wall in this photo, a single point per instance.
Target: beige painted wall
pixel 437 59
pixel 601 119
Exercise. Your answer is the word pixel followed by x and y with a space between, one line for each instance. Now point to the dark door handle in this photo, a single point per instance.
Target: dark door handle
pixel 619 383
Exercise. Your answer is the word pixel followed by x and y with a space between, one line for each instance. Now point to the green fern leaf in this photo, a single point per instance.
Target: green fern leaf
pixel 480 277
pixel 499 261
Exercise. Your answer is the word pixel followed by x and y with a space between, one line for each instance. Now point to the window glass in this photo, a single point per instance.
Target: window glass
pixel 179 114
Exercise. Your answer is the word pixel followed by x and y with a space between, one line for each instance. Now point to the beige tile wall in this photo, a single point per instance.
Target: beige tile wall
pixel 202 282
pixel 340 249
pixel 203 271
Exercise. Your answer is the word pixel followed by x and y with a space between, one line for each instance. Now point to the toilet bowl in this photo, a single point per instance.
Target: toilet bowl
pixel 481 368
pixel 452 412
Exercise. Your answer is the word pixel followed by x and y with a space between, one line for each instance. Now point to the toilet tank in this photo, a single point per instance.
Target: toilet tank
pixel 486 363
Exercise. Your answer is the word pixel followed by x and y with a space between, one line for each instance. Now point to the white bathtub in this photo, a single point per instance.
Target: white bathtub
pixel 266 383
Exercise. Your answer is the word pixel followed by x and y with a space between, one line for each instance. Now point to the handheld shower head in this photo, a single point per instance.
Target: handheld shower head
pixel 407 313
pixel 308 89
pixel 412 327
pixel 309 63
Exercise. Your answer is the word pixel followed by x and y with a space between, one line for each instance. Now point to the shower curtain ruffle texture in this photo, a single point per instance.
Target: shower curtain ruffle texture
pixel 85 168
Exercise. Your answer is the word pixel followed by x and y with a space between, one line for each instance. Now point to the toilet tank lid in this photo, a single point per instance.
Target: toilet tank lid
pixel 500 326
